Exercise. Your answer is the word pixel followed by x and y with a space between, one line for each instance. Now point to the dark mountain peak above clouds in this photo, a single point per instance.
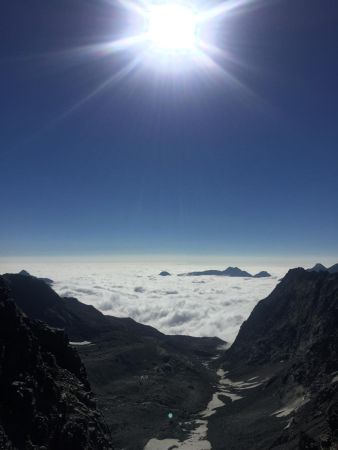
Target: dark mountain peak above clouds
pixel 210 272
pixel 300 311
pixel 27 274
pixel 24 273
pixel 321 268
pixel 317 268
pixel 164 273
pixel 33 295
pixel 262 274
pixel 80 321
pixel 39 301
pixel 45 401
pixel 229 272
pixel 236 272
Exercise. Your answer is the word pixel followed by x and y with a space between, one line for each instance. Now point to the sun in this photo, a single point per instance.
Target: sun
pixel 170 37
pixel 165 30
pixel 172 28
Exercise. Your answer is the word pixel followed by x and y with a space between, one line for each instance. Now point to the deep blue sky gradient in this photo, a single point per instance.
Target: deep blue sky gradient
pixel 185 163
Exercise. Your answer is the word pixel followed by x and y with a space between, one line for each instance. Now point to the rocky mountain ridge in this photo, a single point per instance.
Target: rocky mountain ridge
pixel 45 399
pixel 279 379
pixel 137 373
pixel 292 337
pixel 229 272
pixel 321 268
pixel 80 321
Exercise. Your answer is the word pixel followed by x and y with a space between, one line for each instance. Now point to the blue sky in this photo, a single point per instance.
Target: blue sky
pixel 182 164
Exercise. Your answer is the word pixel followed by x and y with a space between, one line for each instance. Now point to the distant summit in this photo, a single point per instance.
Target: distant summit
pixel 164 273
pixel 317 268
pixel 321 268
pixel 24 273
pixel 262 274
pixel 236 272
pixel 229 272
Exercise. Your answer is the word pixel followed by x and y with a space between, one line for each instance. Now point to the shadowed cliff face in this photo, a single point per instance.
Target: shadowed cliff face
pixel 45 401
pixel 39 301
pixel 80 321
pixel 291 338
pixel 298 318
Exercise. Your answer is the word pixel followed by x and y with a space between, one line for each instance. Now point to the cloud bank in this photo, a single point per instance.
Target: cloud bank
pixel 203 306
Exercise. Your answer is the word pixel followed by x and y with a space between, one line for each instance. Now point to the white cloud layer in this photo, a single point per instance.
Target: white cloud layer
pixel 197 306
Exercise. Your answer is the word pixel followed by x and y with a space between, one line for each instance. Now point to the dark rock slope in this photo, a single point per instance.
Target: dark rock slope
pixel 291 340
pixel 299 317
pixel 138 374
pixel 45 400
pixel 81 322
pixel 46 280
pixel 39 301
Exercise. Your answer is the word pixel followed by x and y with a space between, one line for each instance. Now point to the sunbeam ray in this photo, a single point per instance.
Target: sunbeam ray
pixel 103 48
pixel 222 53
pixel 134 7
pixel 207 61
pixel 118 76
pixel 226 8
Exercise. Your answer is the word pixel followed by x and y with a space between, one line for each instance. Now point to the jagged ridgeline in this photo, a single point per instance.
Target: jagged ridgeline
pixel 275 388
pixel 45 399
pixel 137 373
pixel 291 341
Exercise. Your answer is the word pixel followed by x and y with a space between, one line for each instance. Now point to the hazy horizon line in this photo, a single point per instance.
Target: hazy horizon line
pixel 181 258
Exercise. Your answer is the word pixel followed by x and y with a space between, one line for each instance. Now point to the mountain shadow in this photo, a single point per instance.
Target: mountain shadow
pixel 45 399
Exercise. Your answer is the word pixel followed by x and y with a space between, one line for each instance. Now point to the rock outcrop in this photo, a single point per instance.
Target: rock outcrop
pixel 39 301
pixel 293 335
pixel 299 313
pixel 45 399
pixel 46 280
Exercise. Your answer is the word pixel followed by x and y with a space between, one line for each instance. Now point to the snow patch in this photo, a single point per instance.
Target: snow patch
pixel 80 343
pixel 334 379
pixel 198 437
pixel 291 407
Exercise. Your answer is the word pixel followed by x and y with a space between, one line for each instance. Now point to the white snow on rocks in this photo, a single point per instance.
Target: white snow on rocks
pixel 198 437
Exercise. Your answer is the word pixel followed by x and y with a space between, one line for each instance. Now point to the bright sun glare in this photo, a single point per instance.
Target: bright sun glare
pixel 165 30
pixel 172 28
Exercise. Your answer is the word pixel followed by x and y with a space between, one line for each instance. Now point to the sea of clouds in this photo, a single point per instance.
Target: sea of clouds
pixel 197 306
